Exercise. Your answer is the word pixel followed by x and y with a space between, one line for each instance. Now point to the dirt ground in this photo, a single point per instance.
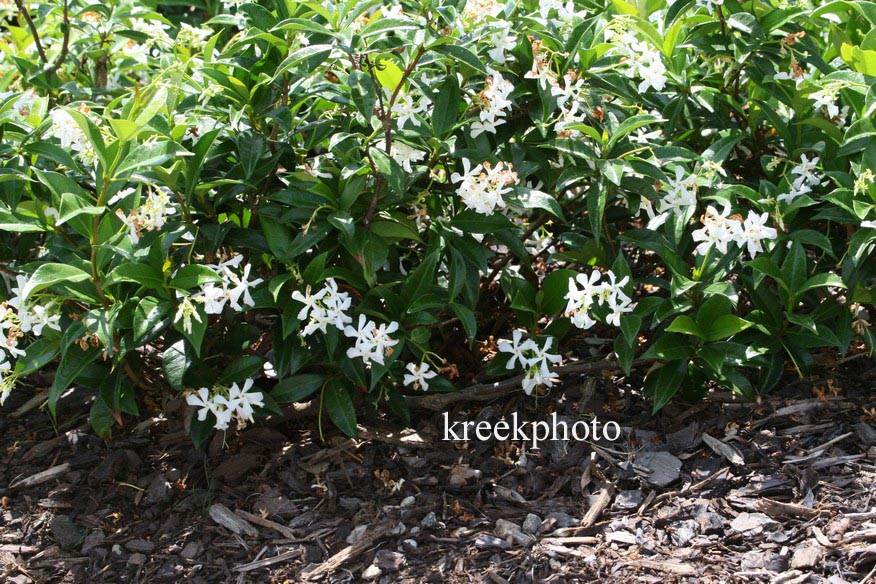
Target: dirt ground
pixel 715 491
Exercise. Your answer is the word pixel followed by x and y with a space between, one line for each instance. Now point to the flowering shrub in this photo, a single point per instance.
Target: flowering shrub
pixel 257 203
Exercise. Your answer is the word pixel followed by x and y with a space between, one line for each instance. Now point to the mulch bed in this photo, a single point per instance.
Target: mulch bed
pixel 715 491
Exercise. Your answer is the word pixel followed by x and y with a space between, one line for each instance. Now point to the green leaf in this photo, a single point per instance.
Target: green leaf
pixel 362 92
pixel 685 325
pixel 819 280
pixel 420 281
pixel 142 274
pixel 37 354
pixel 670 347
pixel 241 369
pixel 50 274
pixel 445 112
pixel 73 361
pixel 551 299
pixel 630 325
pixel 297 388
pixel 665 382
pixel 151 154
pixel 149 319
pixel 175 361
pixel 388 74
pixel 462 54
pixel 339 406
pixel 467 318
pixel 470 221
pixel 193 276
pixel 726 326
pixel 794 266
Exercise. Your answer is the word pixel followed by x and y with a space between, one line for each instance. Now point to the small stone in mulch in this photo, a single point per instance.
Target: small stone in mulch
pixel 227 519
pixel 137 559
pixel 807 555
pixel 510 531
pixel 531 523
pixel 562 519
pixel 118 465
pixel 67 534
pixel 372 572
pixel 485 541
pixel 710 522
pixel 683 532
pixel 626 500
pixel 93 540
pixel 159 490
pixel 665 468
pixel 430 521
pixel 766 560
pixel 191 550
pixel 389 561
pixel 866 433
pixel 622 536
pixel 684 439
pixel 751 523
pixel 273 503
pixel 356 534
pixel 140 545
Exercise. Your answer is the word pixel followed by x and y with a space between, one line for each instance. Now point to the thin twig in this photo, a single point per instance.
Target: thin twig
pixel 33 30
pixel 65 42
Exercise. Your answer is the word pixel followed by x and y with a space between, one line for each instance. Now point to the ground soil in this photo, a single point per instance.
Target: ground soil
pixel 718 490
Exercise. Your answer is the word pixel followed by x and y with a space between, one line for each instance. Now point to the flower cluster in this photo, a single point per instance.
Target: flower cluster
pixel 806 180
pixel 493 102
pixel 406 111
pixel 327 307
pixel 482 187
pixel 71 135
pixel 535 360
pixel 722 229
pixel 152 215
pixel 609 293
pixel 21 315
pixel 371 341
pixel 640 59
pixel 230 288
pixel 227 403
pixel 570 102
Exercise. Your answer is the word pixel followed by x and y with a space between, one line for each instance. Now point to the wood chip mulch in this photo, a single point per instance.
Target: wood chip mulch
pixel 721 490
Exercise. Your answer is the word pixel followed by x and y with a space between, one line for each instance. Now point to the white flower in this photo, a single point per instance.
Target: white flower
pixel 201 399
pixel 407 112
pixel 419 375
pixel 681 194
pixel 213 297
pixel 241 287
pixel 501 41
pixel 718 230
pixel 807 179
pixel 608 293
pixel 755 231
pixel 482 187
pixel 402 153
pixel 310 301
pixel 243 399
pixel 326 307
pixel 515 347
pixel 371 342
